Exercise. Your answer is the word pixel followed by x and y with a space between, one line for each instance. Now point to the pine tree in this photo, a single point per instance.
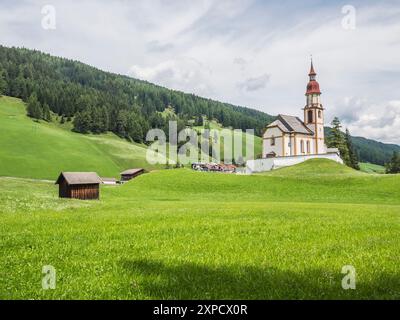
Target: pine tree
pixel 394 165
pixel 3 83
pixel 104 119
pixel 121 124
pixel 134 129
pixel 353 157
pixel 46 113
pixel 82 122
pixel 34 109
pixel 96 125
pixel 337 140
pixel 199 122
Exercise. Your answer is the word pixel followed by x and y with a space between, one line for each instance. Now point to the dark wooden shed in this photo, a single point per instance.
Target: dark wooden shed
pixel 79 185
pixel 131 173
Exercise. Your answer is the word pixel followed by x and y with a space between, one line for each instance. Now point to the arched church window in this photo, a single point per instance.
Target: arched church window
pixel 302 146
pixel 319 114
pixel 273 141
pixel 308 147
pixel 310 116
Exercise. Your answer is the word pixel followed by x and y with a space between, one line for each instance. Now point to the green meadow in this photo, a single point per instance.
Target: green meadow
pixel 372 168
pixel 178 234
pixel 30 149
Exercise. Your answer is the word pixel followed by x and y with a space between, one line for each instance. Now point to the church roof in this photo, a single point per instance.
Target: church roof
pixel 280 125
pixel 312 71
pixel 313 85
pixel 294 125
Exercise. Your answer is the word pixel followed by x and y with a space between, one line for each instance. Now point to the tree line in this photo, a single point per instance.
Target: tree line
pixel 99 101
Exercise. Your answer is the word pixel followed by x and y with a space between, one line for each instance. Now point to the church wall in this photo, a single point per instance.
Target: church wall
pixel 278 147
pixel 321 146
pixel 305 138
pixel 289 146
pixel 262 165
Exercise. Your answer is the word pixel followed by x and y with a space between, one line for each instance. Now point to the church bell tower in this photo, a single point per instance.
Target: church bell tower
pixel 314 112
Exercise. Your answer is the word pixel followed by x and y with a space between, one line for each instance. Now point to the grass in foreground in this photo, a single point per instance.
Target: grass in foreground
pixel 181 234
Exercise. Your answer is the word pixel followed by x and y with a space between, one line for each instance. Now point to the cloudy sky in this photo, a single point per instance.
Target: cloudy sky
pixel 252 53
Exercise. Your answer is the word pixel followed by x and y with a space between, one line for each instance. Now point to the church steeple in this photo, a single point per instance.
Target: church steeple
pixel 314 111
pixel 312 73
pixel 313 85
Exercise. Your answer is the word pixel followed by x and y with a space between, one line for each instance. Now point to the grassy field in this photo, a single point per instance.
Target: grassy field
pixel 372 168
pixel 180 234
pixel 41 150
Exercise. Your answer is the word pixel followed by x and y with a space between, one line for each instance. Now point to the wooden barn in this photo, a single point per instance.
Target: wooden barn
pixel 130 174
pixel 79 185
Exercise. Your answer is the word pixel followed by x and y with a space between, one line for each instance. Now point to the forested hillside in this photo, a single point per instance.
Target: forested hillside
pixel 102 101
pixel 374 151
pixel 97 101
pixel 370 150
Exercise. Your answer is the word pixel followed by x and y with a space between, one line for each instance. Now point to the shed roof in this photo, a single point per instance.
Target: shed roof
pixel 132 171
pixel 79 178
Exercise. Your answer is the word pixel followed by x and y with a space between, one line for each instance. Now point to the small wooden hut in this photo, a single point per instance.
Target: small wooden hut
pixel 130 174
pixel 79 185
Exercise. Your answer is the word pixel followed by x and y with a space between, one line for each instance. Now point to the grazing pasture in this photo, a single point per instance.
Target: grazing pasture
pixel 41 150
pixel 372 168
pixel 178 234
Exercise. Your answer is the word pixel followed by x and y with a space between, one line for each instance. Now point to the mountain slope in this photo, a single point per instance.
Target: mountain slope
pixel 42 150
pixel 129 107
pixel 370 150
pixel 374 151
pixel 70 87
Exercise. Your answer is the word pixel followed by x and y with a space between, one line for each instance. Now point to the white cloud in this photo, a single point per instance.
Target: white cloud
pixel 376 121
pixel 208 47
pixel 255 84
pixel 181 73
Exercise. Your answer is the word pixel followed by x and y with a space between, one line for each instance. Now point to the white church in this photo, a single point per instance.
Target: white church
pixel 289 140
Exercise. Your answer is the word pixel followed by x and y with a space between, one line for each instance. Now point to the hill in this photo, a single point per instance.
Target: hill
pixel 116 103
pixel 179 234
pixel 315 168
pixel 374 151
pixel 128 107
pixel 42 150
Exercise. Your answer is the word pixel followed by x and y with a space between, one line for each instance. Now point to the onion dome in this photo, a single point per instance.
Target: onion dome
pixel 313 85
